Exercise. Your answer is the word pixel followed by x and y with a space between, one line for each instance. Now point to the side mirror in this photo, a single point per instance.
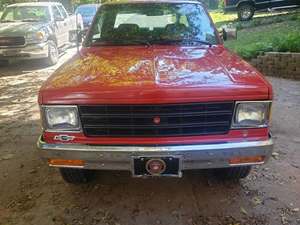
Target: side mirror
pixel 228 33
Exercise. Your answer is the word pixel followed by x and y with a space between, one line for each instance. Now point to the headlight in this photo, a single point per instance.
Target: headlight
pixel 251 114
pixel 36 37
pixel 61 118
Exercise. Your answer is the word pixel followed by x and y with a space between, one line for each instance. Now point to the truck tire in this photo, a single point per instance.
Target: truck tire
pixel 245 11
pixel 76 176
pixel 53 53
pixel 233 173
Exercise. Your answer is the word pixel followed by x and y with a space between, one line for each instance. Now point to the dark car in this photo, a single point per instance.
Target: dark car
pixel 246 8
pixel 87 11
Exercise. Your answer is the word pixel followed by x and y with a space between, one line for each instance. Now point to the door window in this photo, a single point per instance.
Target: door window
pixel 56 13
pixel 63 11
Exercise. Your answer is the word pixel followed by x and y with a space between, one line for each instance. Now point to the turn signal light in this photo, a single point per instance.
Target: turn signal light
pixel 66 162
pixel 247 159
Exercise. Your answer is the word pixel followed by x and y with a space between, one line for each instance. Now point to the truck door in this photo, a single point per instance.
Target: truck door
pixel 68 25
pixel 262 4
pixel 282 3
pixel 60 25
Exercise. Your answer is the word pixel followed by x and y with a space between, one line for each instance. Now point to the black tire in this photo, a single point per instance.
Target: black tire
pixel 76 176
pixel 53 53
pixel 245 12
pixel 233 173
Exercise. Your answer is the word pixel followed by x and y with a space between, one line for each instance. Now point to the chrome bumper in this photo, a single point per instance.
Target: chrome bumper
pixel 198 156
pixel 34 51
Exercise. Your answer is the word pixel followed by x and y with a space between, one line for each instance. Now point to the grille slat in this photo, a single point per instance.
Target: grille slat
pixel 12 41
pixel 138 120
pixel 155 126
pixel 160 114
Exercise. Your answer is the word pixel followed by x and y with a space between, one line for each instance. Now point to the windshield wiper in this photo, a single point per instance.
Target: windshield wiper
pixel 197 41
pixel 180 41
pixel 99 42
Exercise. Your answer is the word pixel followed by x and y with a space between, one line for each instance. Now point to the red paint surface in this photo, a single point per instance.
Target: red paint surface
pixel 156 74
pixel 233 135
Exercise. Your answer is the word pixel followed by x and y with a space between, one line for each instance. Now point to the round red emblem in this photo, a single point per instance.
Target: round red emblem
pixel 156 120
pixel 156 166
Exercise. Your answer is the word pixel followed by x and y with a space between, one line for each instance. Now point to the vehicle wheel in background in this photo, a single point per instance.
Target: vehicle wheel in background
pixel 233 173
pixel 53 53
pixel 76 176
pixel 245 11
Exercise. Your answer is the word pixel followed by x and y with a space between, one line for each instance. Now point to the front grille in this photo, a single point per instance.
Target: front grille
pixel 12 41
pixel 156 120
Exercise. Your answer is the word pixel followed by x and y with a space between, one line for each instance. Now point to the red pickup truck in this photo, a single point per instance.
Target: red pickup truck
pixel 153 91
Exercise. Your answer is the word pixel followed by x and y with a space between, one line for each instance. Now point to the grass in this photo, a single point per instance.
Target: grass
pixel 279 31
pixel 284 36
pixel 220 18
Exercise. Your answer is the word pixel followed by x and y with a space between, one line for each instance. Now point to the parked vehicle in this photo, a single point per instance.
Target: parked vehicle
pixel 246 8
pixel 36 31
pixel 87 11
pixel 154 91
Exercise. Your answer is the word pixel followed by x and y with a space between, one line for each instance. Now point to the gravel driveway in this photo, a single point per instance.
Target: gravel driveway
pixel 32 193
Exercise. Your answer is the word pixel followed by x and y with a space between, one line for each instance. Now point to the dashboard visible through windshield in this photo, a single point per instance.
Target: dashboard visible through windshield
pixel 152 23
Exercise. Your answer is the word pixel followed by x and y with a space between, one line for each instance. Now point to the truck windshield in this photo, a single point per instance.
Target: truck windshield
pixel 25 13
pixel 152 23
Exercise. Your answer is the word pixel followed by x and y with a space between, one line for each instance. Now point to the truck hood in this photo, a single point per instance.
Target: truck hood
pixel 19 28
pixel 156 74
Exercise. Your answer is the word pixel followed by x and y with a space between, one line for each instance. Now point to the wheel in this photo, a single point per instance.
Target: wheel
pixel 76 176
pixel 245 12
pixel 233 173
pixel 52 58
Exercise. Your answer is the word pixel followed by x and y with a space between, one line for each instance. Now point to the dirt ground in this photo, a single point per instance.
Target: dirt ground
pixel 33 193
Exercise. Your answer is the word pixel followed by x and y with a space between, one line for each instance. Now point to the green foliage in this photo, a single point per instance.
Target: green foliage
pixel 281 37
pixel 221 4
pixel 288 43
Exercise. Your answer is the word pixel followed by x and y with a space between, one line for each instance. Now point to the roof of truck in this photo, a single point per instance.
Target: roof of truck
pixel 35 4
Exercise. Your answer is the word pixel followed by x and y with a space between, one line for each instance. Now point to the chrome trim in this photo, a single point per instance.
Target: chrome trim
pixel 141 149
pixel 265 2
pixel 246 164
pixel 197 156
pixel 28 51
pixel 232 126
pixel 44 119
pixel 65 166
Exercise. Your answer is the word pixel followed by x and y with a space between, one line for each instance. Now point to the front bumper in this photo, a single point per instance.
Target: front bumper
pixel 33 51
pixel 197 156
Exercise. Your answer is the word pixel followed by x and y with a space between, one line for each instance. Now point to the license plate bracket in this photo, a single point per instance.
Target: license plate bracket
pixel 167 166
